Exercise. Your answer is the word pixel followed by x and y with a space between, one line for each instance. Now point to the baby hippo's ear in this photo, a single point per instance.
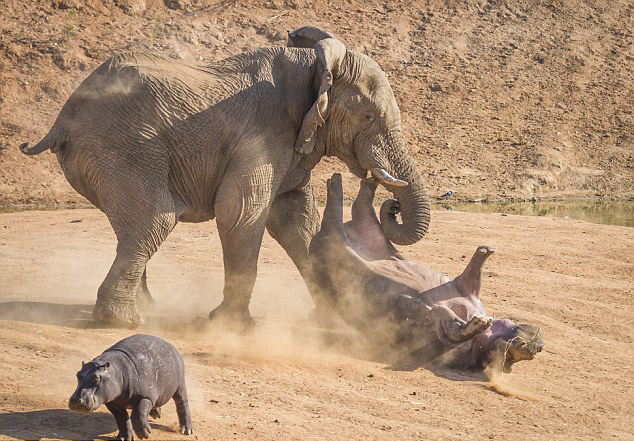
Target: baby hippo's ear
pixel 82 363
pixel 107 365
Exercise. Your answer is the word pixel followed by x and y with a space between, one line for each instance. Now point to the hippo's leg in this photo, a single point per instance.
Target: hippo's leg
pixel 156 413
pixel 144 299
pixel 470 279
pixel 139 418
pixel 122 419
pixel 182 409
pixel 452 329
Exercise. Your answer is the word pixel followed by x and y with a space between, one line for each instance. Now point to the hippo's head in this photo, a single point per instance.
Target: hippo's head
pixel 95 386
pixel 507 342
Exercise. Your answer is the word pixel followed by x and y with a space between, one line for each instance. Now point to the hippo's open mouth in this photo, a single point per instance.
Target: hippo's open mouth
pixel 524 345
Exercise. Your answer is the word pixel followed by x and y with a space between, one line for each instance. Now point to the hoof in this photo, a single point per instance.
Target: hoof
pixel 486 249
pixel 155 413
pixel 117 315
pixel 334 185
pixel 121 436
pixel 230 318
pixel 476 325
pixel 186 430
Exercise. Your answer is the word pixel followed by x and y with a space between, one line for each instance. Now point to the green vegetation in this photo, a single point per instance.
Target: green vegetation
pixel 69 28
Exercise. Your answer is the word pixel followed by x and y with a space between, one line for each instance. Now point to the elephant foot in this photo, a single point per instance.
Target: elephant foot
pixel 324 317
pixel 117 314
pixel 236 319
pixel 145 302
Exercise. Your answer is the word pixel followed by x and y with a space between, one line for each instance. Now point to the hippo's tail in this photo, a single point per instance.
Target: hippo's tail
pixel 53 141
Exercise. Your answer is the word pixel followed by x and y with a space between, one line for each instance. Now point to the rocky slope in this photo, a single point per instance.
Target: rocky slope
pixel 500 99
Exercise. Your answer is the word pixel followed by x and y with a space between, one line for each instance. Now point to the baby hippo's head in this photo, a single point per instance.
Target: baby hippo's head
pixel 95 386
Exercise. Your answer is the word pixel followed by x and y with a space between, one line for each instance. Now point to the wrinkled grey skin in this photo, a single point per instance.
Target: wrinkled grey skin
pixel 394 300
pixel 152 142
pixel 141 372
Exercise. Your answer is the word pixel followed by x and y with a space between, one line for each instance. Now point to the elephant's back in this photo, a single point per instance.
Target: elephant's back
pixel 138 86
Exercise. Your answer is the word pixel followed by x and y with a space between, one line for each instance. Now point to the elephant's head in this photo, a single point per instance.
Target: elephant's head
pixel 356 118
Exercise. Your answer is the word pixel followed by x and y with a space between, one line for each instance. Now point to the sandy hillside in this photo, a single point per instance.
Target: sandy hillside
pixel 292 381
pixel 500 99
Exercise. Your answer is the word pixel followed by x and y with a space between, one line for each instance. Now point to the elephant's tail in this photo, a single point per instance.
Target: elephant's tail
pixel 53 141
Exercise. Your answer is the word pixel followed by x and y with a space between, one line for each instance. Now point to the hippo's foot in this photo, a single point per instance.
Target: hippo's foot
pixel 117 314
pixel 475 326
pixel 186 429
pixel 124 436
pixel 236 319
pixel 155 413
pixel 141 428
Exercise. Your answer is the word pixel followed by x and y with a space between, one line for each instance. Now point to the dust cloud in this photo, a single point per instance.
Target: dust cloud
pixel 501 383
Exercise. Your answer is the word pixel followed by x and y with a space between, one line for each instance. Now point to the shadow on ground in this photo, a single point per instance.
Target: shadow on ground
pixel 80 316
pixel 56 424
pixel 61 424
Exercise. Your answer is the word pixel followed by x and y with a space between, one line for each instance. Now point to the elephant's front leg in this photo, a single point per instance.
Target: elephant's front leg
pixel 241 210
pixel 293 221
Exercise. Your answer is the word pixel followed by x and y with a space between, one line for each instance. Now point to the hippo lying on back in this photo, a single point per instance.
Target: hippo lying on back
pixel 376 290
pixel 141 372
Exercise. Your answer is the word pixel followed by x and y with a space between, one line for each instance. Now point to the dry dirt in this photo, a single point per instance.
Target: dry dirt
pixel 290 380
pixel 500 99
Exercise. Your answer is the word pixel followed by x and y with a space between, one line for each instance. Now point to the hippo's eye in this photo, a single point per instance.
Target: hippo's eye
pixel 369 116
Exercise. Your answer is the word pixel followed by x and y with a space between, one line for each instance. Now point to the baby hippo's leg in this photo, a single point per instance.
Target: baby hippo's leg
pixel 182 409
pixel 139 418
pixel 452 329
pixel 156 413
pixel 122 419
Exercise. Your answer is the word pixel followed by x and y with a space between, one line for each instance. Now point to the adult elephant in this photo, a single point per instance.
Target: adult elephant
pixel 152 142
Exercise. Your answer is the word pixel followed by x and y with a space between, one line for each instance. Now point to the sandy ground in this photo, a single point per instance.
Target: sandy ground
pixel 292 381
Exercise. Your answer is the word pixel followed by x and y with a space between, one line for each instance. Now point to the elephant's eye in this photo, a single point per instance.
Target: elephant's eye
pixel 369 116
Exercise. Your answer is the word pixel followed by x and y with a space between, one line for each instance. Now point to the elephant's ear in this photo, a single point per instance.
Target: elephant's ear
pixel 307 37
pixel 330 53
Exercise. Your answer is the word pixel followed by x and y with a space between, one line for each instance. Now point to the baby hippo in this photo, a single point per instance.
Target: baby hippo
pixel 140 372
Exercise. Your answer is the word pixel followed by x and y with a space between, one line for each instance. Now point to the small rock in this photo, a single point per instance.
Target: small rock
pixel 75 221
pixel 131 7
pixel 176 4
pixel 370 375
pixel 413 393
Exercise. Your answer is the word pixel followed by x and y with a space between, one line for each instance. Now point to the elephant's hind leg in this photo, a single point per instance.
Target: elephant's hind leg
pixel 137 242
pixel 144 299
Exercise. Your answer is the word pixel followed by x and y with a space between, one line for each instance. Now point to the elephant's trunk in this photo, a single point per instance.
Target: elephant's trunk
pixel 413 200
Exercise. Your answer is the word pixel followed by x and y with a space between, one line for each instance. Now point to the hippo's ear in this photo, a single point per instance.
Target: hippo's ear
pixel 82 363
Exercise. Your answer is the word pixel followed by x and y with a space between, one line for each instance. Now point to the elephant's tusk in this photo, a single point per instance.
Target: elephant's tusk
pixel 385 178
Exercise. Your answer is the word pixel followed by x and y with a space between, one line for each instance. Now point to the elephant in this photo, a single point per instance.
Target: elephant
pixel 403 307
pixel 152 142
